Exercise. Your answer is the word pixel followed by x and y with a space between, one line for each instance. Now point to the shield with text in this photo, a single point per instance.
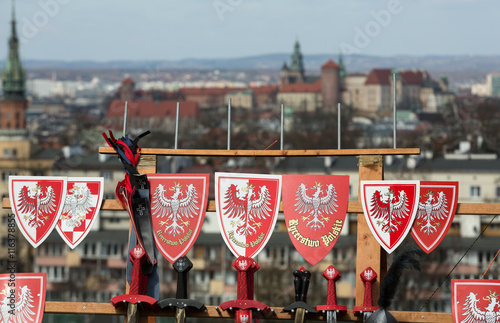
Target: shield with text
pixel 475 300
pixel 436 210
pixel 390 208
pixel 178 206
pixel 315 208
pixel 23 297
pixel 247 209
pixel 37 203
pixel 81 208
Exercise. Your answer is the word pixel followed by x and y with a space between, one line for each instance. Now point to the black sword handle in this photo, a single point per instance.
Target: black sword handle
pixel 305 285
pixel 182 266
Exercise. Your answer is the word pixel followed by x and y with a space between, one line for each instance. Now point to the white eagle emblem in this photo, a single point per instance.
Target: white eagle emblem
pixel 38 202
pixel 476 315
pixel 77 205
pixel 247 207
pixel 316 205
pixel 389 210
pixel 429 212
pixel 22 312
pixel 175 208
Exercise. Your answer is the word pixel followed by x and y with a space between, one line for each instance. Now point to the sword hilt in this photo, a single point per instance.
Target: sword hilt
pixel 139 281
pixel 331 275
pixel 368 276
pixel 244 266
pixel 182 266
pixel 301 282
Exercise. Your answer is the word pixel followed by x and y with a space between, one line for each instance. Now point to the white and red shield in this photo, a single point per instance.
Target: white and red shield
pixel 22 297
pixel 390 208
pixel 178 206
pixel 475 300
pixel 37 203
pixel 315 207
pixel 247 209
pixel 81 207
pixel 436 210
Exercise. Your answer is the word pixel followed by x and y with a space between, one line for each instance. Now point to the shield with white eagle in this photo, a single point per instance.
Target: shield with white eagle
pixel 37 203
pixel 178 206
pixel 390 208
pixel 247 209
pixel 22 297
pixel 475 300
pixel 81 208
pixel 436 210
pixel 315 208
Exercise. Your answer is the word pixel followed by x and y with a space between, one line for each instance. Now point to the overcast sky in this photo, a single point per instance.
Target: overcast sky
pixel 105 30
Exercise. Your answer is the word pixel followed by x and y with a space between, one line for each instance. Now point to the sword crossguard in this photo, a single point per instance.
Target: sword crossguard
pixel 368 277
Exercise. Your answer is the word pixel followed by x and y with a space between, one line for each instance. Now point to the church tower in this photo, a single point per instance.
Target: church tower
pixel 296 69
pixel 13 103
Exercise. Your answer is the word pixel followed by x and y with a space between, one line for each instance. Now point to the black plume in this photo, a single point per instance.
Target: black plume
pixel 407 260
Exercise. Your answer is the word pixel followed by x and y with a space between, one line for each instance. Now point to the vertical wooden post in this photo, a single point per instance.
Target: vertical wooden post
pixel 369 252
pixel 147 165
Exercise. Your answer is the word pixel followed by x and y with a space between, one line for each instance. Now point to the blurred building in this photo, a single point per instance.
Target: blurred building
pixel 309 93
pixel 416 91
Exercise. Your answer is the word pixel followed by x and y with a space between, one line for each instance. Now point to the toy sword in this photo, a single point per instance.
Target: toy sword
pixel 301 283
pixel 245 304
pixel 368 276
pixel 331 308
pixel 182 266
pixel 138 284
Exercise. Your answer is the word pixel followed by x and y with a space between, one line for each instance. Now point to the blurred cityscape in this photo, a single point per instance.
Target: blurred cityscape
pixel 51 120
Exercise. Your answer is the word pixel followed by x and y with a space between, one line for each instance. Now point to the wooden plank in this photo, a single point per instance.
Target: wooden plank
pixel 478 208
pixel 269 153
pixel 353 207
pixel 87 308
pixel 368 250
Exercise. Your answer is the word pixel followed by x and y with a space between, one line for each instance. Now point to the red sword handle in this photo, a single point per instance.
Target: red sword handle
pixel 332 275
pixel 139 281
pixel 367 299
pixel 368 276
pixel 331 294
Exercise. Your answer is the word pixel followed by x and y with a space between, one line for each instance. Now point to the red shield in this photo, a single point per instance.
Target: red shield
pixel 247 209
pixel 23 297
pixel 81 207
pixel 178 206
pixel 315 207
pixel 475 300
pixel 436 210
pixel 37 203
pixel 390 208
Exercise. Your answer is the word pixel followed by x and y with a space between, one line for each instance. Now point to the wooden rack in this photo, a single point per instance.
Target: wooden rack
pixel 369 252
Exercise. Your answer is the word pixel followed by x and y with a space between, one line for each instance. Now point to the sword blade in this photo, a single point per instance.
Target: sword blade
pixel 366 315
pixel 180 315
pixel 331 316
pixel 300 315
pixel 132 313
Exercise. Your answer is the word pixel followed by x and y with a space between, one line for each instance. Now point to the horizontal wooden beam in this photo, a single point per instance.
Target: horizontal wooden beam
pixel 353 207
pixel 269 153
pixel 215 312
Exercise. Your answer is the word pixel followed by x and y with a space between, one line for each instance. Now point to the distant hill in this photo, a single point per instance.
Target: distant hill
pixel 354 63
